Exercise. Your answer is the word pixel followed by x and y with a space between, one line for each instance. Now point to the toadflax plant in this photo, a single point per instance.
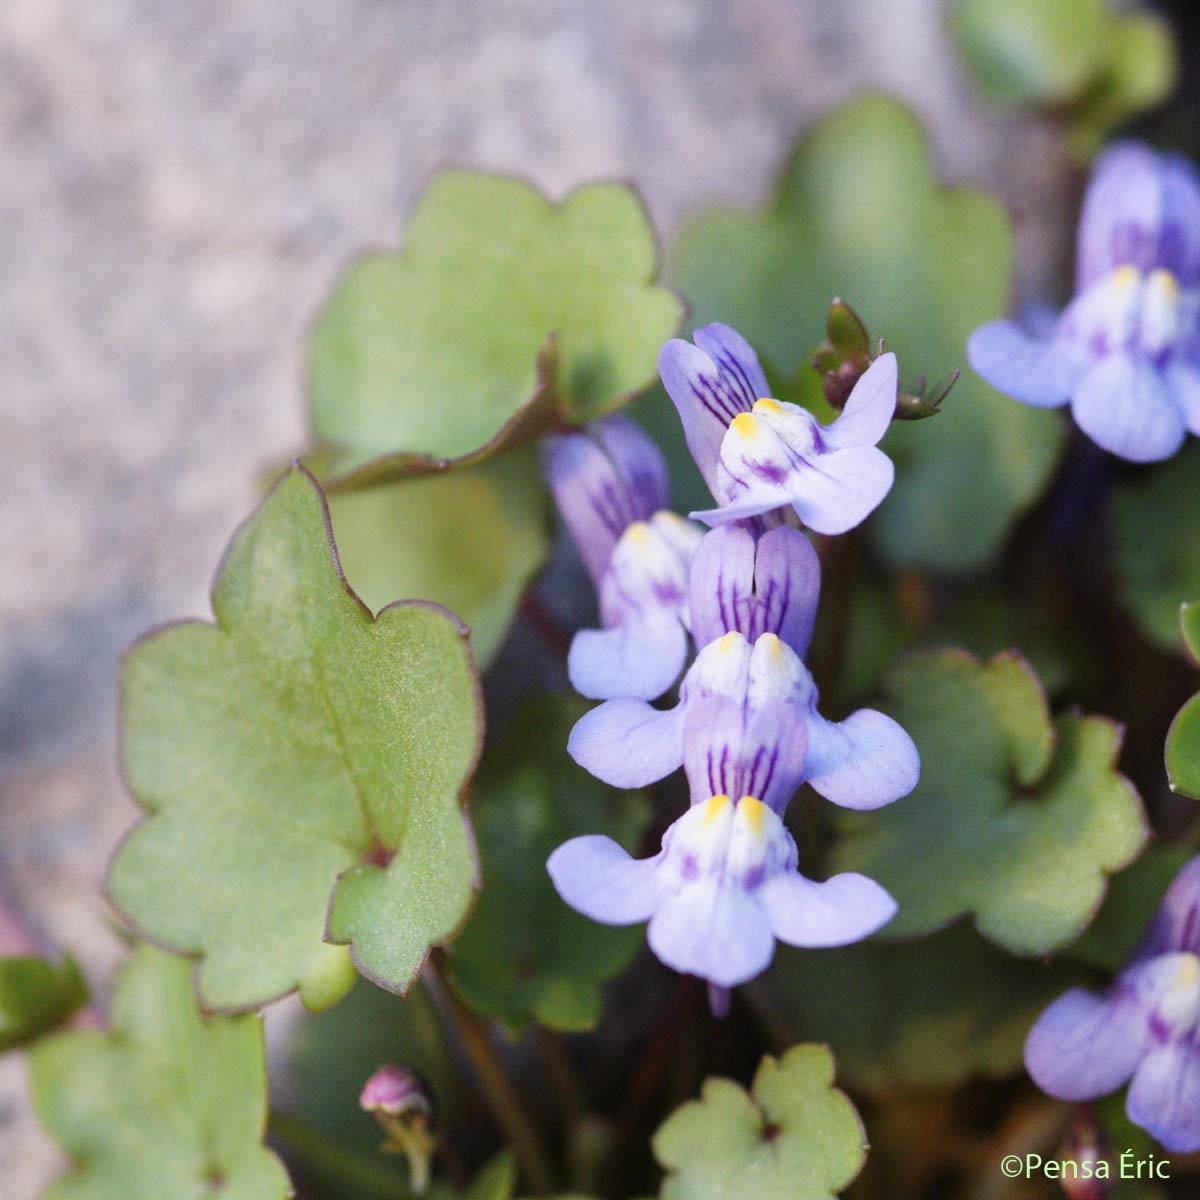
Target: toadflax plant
pixel 831 728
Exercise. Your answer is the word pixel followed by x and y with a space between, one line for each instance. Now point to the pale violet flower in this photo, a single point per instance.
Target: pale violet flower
pixel 758 454
pixel 1125 354
pixel 725 884
pixel 752 604
pixel 611 487
pixel 1145 1030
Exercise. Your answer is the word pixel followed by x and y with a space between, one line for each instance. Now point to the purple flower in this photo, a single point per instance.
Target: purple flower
pixel 610 484
pixel 725 884
pixel 752 606
pixel 1126 352
pixel 758 454
pixel 1146 1028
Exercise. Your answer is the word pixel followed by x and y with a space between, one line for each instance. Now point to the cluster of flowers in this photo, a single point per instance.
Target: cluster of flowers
pixel 745 727
pixel 1125 353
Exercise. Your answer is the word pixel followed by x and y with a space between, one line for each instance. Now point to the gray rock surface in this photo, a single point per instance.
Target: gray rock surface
pixel 183 180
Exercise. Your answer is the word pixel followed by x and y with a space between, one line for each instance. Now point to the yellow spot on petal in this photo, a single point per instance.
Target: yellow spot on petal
pixel 1166 281
pixel 714 808
pixel 728 641
pixel 1127 277
pixel 638 533
pixel 746 424
pixel 767 405
pixel 1188 973
pixel 753 810
pixel 773 644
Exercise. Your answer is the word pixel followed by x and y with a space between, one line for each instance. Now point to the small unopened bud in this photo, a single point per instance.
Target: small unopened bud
pixel 1084 1148
pixel 844 354
pixel 846 333
pixel 916 404
pixel 400 1102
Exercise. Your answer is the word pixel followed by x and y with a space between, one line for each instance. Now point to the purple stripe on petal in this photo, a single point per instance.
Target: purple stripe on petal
pixel 627 743
pixel 720 583
pixel 773 752
pixel 838 912
pixel 712 747
pixel 689 376
pixel 787 584
pixel 603 481
pixel 639 464
pixel 739 364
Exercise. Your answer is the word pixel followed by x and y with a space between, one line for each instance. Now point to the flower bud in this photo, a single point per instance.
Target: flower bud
pixel 400 1102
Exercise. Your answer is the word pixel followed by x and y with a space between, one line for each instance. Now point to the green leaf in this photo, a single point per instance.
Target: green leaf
pixel 796 1137
pixel 524 954
pixel 1183 738
pixel 926 1014
pixel 1016 820
pixel 166 1103
pixel 1156 530
pixel 432 355
pixel 470 540
pixel 859 215
pixel 36 995
pixel 1033 52
pixel 298 750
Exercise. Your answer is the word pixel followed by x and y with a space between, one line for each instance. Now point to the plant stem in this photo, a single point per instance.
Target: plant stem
pixel 839 568
pixel 562 1073
pixel 502 1095
pixel 334 1165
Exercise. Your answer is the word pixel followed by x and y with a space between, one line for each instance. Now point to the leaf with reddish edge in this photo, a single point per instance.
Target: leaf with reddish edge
pixel 303 767
pixel 505 315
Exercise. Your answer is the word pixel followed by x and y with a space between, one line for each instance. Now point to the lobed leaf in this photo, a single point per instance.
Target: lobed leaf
pixel 1016 820
pixel 301 764
pixel 858 214
pixel 793 1137
pixel 524 955
pixel 504 315
pixel 165 1103
pixel 470 540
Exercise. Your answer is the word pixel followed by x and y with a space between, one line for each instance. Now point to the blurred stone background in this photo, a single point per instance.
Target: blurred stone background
pixel 183 181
